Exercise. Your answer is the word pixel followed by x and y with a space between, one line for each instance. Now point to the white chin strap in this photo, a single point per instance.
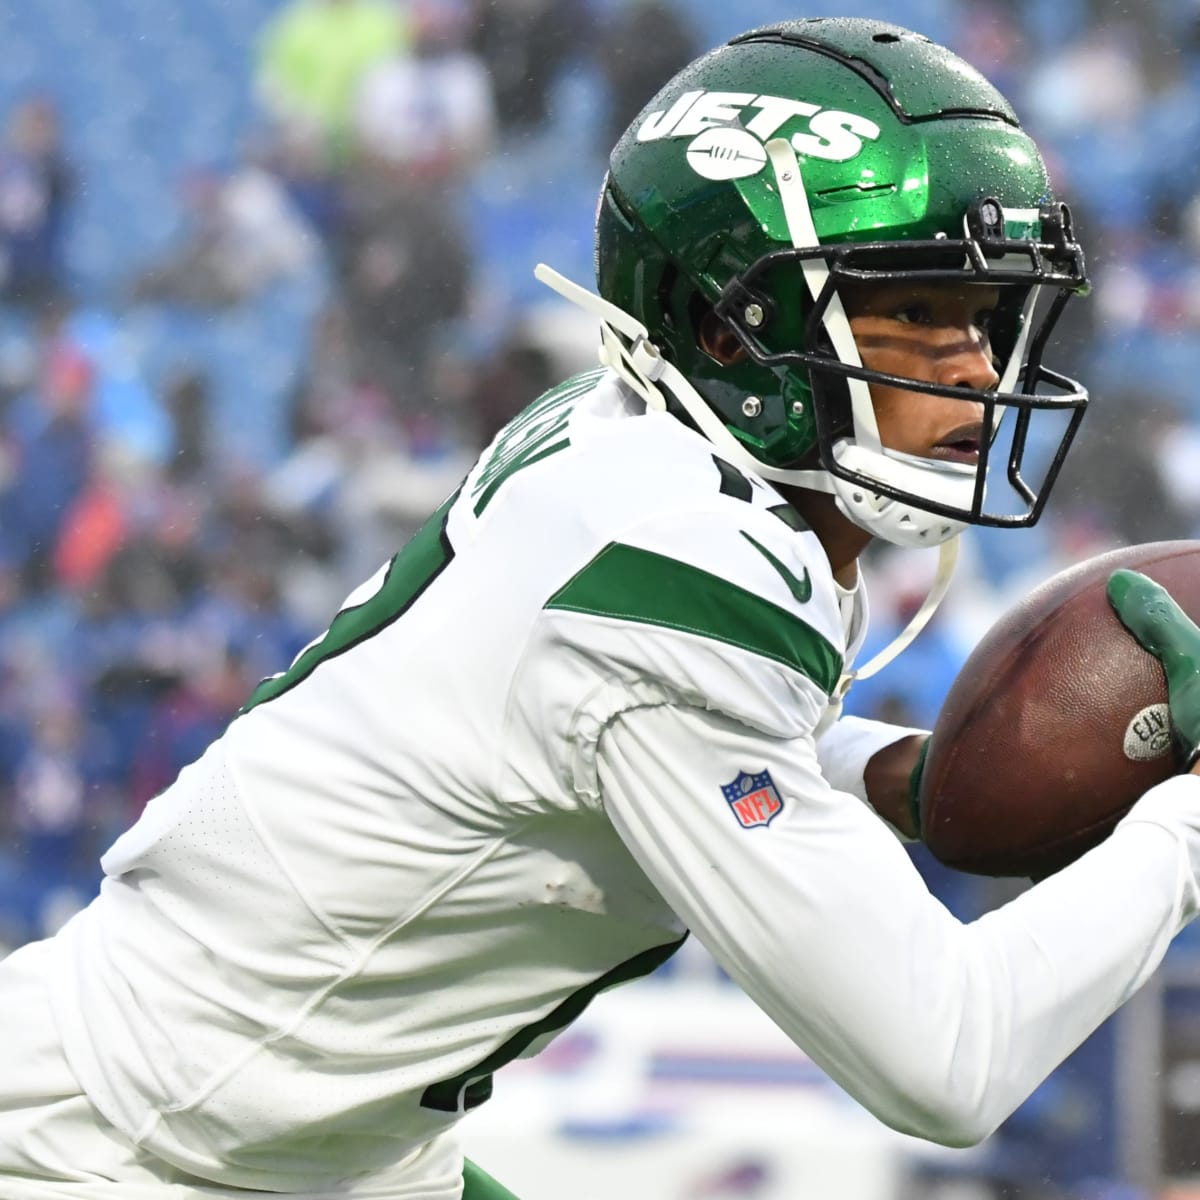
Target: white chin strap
pixel 947 560
pixel 643 368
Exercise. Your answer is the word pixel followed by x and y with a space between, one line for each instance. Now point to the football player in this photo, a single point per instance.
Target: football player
pixel 594 705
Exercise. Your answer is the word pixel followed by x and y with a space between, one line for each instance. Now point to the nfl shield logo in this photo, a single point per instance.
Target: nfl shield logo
pixel 754 799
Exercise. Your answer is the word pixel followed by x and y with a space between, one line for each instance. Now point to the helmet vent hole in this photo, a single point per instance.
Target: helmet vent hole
pixel 886 37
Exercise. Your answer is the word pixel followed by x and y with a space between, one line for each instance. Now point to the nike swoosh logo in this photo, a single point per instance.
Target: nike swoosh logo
pixel 800 588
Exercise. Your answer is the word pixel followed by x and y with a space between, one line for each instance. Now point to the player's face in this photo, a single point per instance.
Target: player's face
pixel 937 334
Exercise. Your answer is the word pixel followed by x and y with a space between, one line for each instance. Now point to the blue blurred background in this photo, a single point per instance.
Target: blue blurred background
pixel 266 288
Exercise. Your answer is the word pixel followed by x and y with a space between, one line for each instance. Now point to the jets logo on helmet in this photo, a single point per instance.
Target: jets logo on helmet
pixel 722 150
pixel 724 153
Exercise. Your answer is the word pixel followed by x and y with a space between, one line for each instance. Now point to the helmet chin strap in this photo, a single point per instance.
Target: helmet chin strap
pixel 643 368
pixel 947 560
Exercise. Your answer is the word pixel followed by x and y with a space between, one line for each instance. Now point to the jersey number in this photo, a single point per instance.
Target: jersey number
pixel 399 585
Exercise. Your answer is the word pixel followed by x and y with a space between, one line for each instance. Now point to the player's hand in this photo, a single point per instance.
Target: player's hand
pixel 1147 610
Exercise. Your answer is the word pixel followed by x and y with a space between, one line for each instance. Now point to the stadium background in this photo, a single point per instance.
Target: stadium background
pixel 266 288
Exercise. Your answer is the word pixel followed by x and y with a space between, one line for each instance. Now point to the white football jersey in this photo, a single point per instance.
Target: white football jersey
pixel 394 872
pixel 584 710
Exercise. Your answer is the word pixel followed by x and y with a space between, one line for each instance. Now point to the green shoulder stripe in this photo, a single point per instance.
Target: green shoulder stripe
pixel 631 584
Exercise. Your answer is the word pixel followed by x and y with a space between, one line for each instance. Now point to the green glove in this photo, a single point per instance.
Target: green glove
pixel 1147 610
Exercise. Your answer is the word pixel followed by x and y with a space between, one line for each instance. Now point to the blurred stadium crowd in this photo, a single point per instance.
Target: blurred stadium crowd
pixel 266 289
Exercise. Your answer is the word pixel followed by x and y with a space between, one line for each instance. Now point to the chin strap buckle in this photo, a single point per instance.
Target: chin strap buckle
pixel 639 365
pixel 646 359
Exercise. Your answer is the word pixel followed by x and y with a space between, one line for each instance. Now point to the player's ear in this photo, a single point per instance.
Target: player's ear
pixel 718 341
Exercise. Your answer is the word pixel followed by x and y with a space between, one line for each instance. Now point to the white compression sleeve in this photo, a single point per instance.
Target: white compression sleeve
pixel 844 750
pixel 941 1029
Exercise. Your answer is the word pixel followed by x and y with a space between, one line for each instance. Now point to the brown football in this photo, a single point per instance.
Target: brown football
pixel 1055 725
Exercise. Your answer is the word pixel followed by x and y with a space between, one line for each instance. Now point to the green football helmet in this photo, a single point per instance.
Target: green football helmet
pixel 797 158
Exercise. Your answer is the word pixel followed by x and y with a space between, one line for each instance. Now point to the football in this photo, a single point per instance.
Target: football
pixel 1055 725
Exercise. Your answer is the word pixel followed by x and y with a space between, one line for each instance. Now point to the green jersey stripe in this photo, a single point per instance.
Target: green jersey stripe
pixel 408 575
pixel 526 438
pixel 536 456
pixel 474 1086
pixel 632 584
